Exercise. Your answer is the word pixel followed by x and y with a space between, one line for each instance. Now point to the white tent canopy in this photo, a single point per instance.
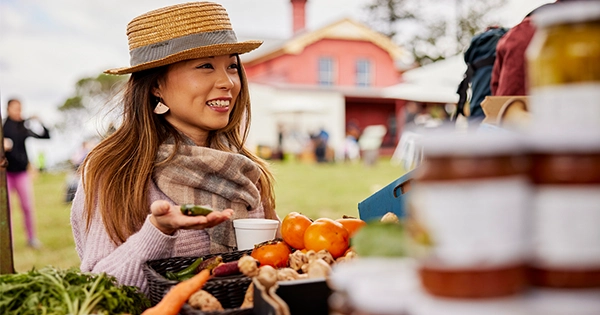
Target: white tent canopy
pixel 436 82
pixel 427 93
pixel 445 72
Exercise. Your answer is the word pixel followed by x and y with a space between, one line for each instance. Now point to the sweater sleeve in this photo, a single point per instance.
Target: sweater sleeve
pixel 44 135
pixel 36 129
pixel 99 254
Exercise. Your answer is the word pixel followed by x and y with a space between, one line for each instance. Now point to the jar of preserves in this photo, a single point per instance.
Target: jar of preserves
pixel 468 215
pixel 563 60
pixel 565 173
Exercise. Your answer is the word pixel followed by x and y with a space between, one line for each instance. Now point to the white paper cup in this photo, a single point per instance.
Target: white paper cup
pixel 249 232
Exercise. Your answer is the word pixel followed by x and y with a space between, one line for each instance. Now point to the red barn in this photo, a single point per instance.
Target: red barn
pixel 332 78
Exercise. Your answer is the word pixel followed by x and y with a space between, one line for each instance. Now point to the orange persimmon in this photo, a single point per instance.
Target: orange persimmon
pixel 325 233
pixel 293 226
pixel 274 253
pixel 352 224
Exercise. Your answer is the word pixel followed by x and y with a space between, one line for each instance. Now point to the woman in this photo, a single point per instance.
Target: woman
pixel 16 131
pixel 185 120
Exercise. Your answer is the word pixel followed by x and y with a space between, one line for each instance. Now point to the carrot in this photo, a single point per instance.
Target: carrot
pixel 172 302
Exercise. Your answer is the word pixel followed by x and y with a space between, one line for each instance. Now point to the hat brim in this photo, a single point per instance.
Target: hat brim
pixel 193 53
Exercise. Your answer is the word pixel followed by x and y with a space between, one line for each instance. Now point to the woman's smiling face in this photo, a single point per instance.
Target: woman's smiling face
pixel 200 94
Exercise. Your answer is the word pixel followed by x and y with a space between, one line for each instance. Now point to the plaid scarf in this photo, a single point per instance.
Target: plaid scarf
pixel 204 176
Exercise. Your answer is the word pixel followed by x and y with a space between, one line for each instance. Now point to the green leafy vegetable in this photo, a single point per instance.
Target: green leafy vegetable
pixel 55 291
pixel 380 239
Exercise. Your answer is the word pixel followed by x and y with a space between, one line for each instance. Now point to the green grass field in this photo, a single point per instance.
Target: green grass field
pixel 317 190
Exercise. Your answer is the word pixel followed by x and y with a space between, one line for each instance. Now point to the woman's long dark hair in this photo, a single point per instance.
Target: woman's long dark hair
pixel 117 172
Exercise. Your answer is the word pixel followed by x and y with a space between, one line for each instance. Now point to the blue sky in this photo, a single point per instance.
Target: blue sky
pixel 46 46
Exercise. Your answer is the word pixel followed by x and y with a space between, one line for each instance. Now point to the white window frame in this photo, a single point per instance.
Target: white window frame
pixel 326 76
pixel 364 78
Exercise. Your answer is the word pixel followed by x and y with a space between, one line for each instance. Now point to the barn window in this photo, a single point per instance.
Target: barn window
pixel 363 72
pixel 326 71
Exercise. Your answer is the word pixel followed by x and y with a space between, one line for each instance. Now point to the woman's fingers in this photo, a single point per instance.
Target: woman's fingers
pixel 202 222
pixel 218 215
pixel 168 218
pixel 160 207
pixel 212 219
pixel 160 218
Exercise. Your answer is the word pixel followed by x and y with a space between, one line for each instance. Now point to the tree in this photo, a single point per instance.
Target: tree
pixel 431 29
pixel 390 12
pixel 93 97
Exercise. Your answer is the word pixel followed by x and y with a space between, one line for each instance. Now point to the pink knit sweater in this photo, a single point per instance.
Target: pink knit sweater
pixel 99 254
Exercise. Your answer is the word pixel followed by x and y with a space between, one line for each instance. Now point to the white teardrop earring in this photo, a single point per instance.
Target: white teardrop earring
pixel 161 108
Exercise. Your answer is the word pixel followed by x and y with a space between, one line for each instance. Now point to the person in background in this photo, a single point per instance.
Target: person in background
pixel 41 161
pixel 351 147
pixel 182 140
pixel 16 131
pixel 72 180
pixel 321 140
pixel 509 73
pixel 279 153
pixel 370 143
pixel 79 155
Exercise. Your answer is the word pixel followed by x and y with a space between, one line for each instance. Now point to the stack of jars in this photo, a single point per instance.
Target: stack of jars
pixel 564 88
pixel 503 215
pixel 469 215
pixel 524 199
pixel 505 212
pixel 505 222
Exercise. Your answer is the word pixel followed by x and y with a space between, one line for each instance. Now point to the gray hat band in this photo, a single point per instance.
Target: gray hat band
pixel 169 47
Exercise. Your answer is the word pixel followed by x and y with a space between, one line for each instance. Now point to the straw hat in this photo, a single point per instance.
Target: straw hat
pixel 180 32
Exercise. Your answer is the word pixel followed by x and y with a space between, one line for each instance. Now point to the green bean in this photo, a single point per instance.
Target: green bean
pixel 186 273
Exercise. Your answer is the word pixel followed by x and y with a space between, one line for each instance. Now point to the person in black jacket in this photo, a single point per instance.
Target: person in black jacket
pixel 16 131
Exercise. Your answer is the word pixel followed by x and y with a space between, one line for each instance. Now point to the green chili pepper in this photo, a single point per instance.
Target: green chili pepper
pixel 195 210
pixel 185 273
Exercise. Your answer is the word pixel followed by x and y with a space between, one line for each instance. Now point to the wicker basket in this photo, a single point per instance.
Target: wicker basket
pixel 230 291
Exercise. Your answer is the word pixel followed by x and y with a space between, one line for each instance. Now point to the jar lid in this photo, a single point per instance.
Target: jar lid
pixel 427 304
pixel 564 141
pixel 377 285
pixel 488 143
pixel 567 13
pixel 564 301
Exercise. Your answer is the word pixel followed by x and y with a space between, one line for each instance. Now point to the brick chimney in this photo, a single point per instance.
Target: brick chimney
pixel 299 15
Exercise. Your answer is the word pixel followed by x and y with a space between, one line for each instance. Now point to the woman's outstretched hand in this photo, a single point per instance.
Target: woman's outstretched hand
pixel 168 218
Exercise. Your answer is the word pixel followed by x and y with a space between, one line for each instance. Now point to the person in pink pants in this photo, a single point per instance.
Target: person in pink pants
pixel 16 131
pixel 20 182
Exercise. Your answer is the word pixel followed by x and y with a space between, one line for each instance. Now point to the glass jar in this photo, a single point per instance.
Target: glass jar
pixel 563 61
pixel 468 216
pixel 566 210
